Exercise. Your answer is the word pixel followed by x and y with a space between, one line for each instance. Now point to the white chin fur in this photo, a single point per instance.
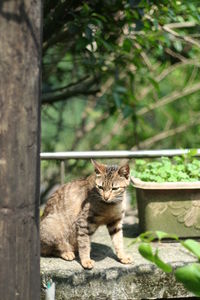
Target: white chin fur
pixel 112 200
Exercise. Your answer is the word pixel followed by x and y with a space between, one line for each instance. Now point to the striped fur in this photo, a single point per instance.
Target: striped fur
pixel 77 209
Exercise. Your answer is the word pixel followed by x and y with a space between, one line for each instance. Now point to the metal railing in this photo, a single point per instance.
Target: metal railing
pixel 113 154
pixel 62 156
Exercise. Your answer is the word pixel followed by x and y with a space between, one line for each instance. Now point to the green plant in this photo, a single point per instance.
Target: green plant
pixel 115 76
pixel 179 168
pixel 188 275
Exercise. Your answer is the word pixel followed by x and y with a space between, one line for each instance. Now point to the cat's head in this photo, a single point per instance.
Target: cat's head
pixel 111 181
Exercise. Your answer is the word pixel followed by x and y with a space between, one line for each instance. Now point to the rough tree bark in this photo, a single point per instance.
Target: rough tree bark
pixel 20 54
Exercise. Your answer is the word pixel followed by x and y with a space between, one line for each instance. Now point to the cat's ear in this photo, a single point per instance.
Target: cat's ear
pixel 124 171
pixel 99 168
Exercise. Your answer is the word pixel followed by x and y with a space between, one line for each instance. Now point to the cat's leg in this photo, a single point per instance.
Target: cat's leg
pixel 65 250
pixel 116 233
pixel 67 255
pixel 84 232
pixel 45 249
pixel 54 240
pixel 59 249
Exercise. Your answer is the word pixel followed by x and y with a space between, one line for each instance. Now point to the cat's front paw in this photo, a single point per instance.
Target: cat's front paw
pixel 67 255
pixel 126 259
pixel 87 263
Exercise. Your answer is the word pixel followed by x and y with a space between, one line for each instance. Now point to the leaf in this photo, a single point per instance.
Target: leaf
pixel 190 277
pixel 117 99
pixel 192 246
pixel 134 241
pixel 178 45
pixel 146 251
pixel 88 33
pixel 162 235
pixel 147 236
pixel 127 45
pixel 86 8
pixel 106 45
pixel 121 89
pixel 127 111
pixel 154 83
pixel 82 43
pixel 166 170
pixel 155 22
pixel 139 162
pixel 100 17
pixel 192 152
pixel 178 159
pixel 161 264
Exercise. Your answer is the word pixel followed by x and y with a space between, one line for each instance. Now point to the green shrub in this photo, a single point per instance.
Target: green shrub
pixel 188 275
pixel 179 168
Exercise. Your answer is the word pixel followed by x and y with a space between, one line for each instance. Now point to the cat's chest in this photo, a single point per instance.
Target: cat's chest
pixel 106 214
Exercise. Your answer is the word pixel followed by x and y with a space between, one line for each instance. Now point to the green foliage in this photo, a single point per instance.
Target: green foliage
pixel 188 275
pixel 193 247
pixel 115 77
pixel 146 251
pixel 185 168
pixel 131 61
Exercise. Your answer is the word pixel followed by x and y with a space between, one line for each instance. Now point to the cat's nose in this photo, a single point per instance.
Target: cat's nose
pixel 106 195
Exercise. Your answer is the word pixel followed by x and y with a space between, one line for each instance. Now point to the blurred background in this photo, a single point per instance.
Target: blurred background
pixel 118 75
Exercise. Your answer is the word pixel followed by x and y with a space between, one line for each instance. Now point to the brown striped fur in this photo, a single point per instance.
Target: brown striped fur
pixel 77 209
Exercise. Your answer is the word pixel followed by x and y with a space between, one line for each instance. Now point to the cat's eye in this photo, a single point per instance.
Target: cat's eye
pixel 100 187
pixel 115 188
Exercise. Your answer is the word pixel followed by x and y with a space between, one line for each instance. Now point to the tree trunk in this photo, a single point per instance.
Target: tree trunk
pixel 20 55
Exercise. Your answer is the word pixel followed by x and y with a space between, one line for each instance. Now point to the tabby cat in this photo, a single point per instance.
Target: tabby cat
pixel 77 209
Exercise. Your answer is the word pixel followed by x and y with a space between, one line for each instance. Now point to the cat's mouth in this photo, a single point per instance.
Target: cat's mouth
pixel 112 201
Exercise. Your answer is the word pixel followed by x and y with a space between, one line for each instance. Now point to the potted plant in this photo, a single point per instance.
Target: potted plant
pixel 168 195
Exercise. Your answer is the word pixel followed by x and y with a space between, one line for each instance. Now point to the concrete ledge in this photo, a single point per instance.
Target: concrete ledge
pixel 110 279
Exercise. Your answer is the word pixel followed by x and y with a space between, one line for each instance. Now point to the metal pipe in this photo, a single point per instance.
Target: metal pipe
pixel 114 154
pixel 62 172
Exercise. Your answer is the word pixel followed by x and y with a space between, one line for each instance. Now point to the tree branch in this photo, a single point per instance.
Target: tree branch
pixel 61 36
pixel 169 28
pixel 175 54
pixel 56 16
pixel 144 56
pixel 67 86
pixel 120 123
pixel 166 72
pixel 69 92
pixel 166 134
pixel 168 99
pixel 84 127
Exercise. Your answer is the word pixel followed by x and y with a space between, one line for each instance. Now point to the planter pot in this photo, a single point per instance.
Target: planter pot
pixel 173 207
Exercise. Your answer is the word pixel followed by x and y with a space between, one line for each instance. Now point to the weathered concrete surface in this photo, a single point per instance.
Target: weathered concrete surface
pixel 110 279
